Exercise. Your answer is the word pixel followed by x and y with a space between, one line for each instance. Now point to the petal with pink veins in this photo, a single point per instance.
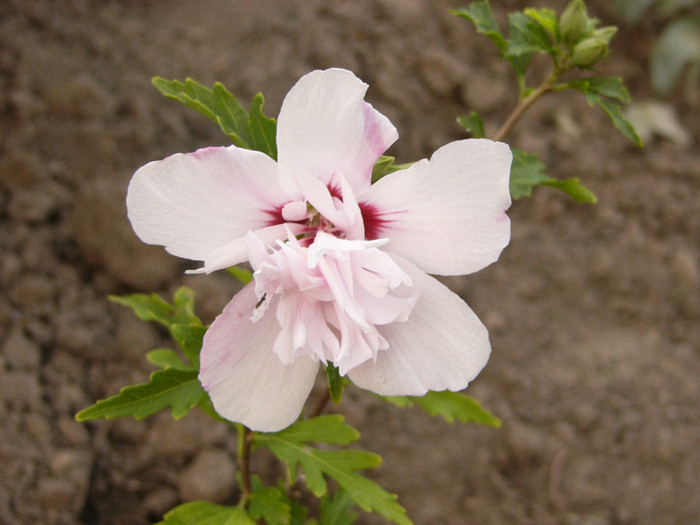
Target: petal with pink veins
pixel 245 379
pixel 325 127
pixel 447 215
pixel 442 345
pixel 197 202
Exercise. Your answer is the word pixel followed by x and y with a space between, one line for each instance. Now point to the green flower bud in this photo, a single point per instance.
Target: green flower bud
pixel 574 24
pixel 605 33
pixel 589 52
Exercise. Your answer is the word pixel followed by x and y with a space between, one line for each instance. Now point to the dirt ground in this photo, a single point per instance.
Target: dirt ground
pixel 593 310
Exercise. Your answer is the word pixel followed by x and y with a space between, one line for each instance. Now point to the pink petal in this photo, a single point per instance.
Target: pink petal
pixel 447 216
pixel 325 127
pixel 245 379
pixel 196 202
pixel 238 251
pixel 443 345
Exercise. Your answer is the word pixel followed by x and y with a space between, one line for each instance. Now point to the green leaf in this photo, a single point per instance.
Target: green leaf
pixel 527 171
pixel 335 383
pixel 611 87
pixel 153 308
pixel 574 189
pixel 167 358
pixel 269 503
pixel 184 326
pixel 290 446
pixel 179 390
pixel 250 130
pixel 298 513
pixel 241 274
pixel 231 116
pixel 479 13
pixel 598 87
pixel 206 513
pixel 218 105
pixel 384 166
pixel 547 19
pixel 473 124
pixel 614 111
pixel 336 510
pixel 450 406
pixel 330 428
pixel 263 129
pixel 526 36
pixel 147 307
pixel 189 337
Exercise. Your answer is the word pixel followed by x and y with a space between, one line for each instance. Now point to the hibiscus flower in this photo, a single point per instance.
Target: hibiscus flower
pixel 340 264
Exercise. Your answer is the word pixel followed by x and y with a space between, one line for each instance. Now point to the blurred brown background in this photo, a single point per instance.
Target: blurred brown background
pixel 593 310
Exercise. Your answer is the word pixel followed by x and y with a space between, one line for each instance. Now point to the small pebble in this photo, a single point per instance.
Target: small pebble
pixel 211 476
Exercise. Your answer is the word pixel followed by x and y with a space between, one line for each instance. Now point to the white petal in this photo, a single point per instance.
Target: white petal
pixel 245 379
pixel 196 202
pixel 325 127
pixel 238 250
pixel 443 345
pixel 446 216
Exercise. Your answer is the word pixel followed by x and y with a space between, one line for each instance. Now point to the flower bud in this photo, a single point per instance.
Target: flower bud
pixel 574 23
pixel 605 33
pixel 588 52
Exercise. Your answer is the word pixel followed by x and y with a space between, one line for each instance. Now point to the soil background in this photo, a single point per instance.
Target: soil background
pixel 593 310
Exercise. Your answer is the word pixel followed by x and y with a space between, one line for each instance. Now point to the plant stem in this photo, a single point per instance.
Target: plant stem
pixel 321 405
pixel 245 440
pixel 525 103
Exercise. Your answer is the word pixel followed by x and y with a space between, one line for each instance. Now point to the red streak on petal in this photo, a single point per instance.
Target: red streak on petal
pixel 335 191
pixel 374 222
pixel 275 216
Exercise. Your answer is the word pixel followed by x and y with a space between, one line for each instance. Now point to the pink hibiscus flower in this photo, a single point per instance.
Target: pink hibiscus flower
pixel 340 265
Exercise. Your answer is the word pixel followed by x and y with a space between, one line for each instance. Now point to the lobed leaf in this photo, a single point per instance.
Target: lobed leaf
pixel 206 513
pixel 179 318
pixel 263 129
pixel 614 111
pixel 179 390
pixel 249 130
pixel 596 88
pixel 335 383
pixel 384 166
pixel 526 36
pixel 218 105
pixel 545 18
pixel 336 510
pixel 450 406
pixel 574 189
pixel 269 503
pixel 290 445
pixel 189 337
pixel 479 13
pixel 527 171
pixel 330 428
pixel 473 124
pixel 153 308
pixel 167 358
pixel 611 87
